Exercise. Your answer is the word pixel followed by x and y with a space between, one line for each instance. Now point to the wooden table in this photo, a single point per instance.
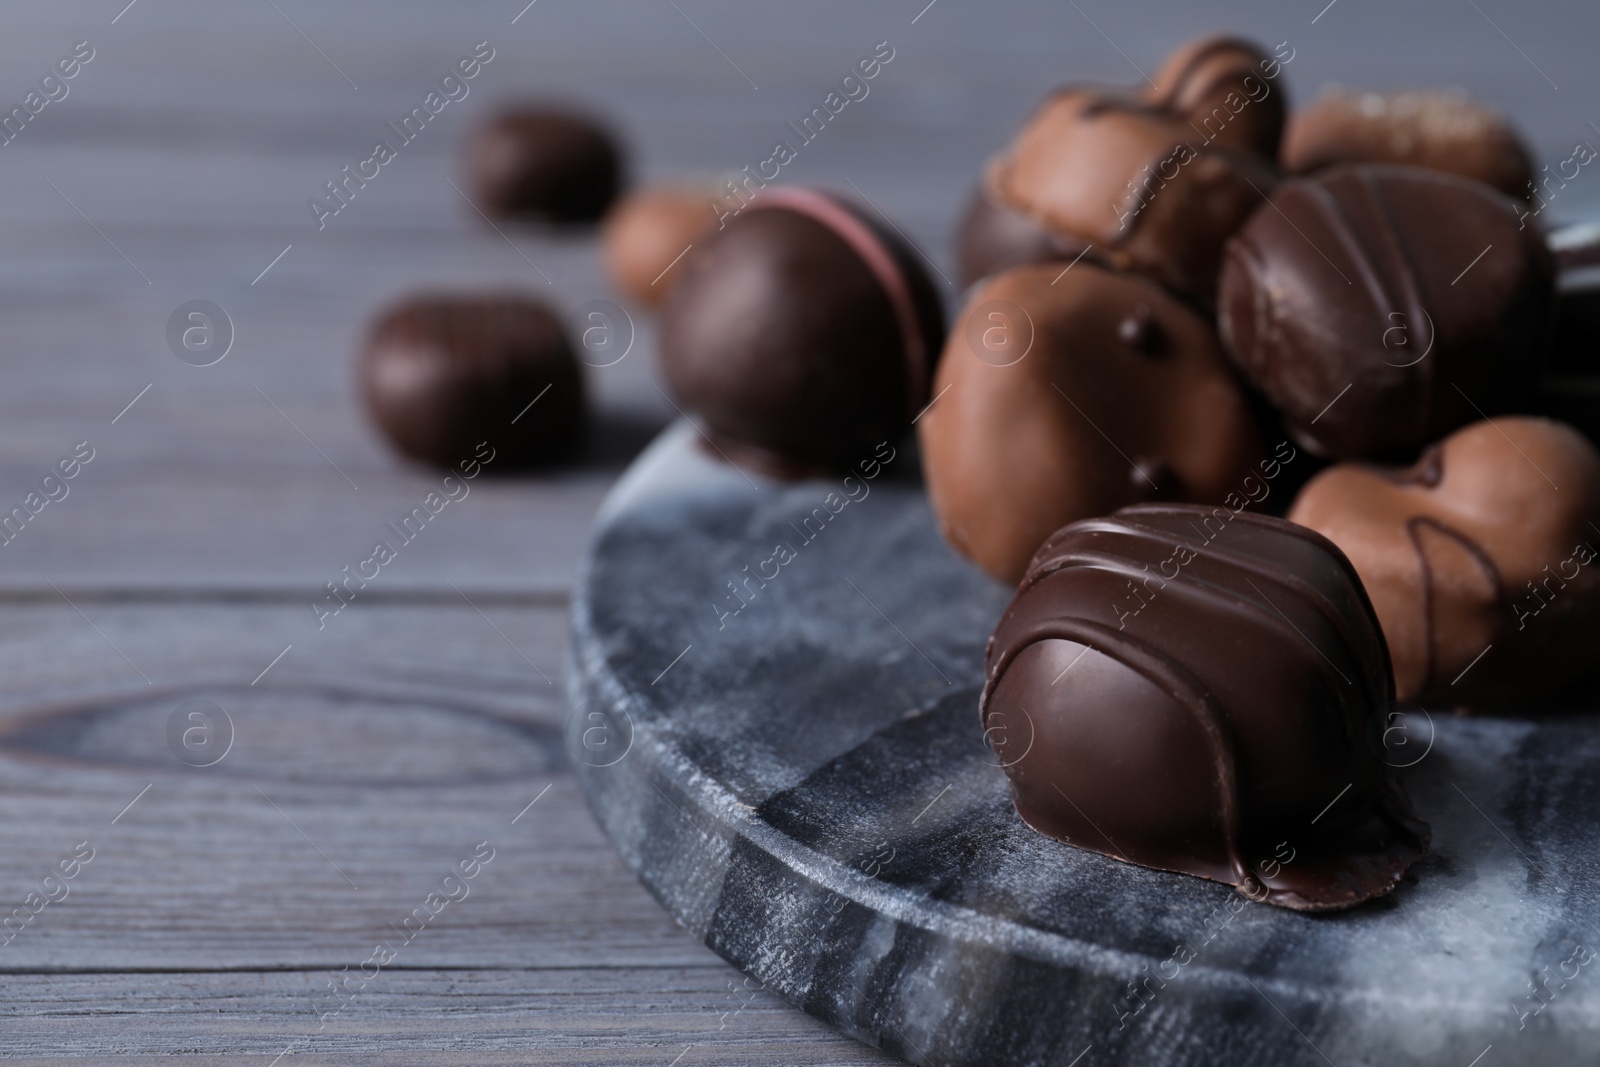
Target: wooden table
pixel 420 727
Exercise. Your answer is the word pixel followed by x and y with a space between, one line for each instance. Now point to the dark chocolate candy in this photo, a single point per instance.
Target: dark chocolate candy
pixel 1482 559
pixel 802 333
pixel 544 164
pixel 994 237
pixel 1442 131
pixel 441 373
pixel 1380 307
pixel 1197 690
pixel 1227 89
pixel 1136 181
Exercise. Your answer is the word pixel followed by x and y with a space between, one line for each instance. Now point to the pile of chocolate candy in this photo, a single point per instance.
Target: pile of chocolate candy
pixel 1251 404
pixel 1369 315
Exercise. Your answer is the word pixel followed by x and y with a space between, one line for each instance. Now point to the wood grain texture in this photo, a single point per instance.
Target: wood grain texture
pixel 178 167
pixel 217 910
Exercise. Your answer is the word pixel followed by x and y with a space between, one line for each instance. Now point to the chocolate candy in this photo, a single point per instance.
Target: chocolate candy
pixel 1134 180
pixel 1067 395
pixel 994 237
pixel 1486 547
pixel 1380 307
pixel 801 333
pixel 1223 86
pixel 442 373
pixel 1197 690
pixel 538 163
pixel 1438 130
pixel 645 235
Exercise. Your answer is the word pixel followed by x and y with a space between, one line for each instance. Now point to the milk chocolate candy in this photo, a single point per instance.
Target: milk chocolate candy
pixel 441 373
pixel 1067 395
pixel 1441 131
pixel 646 235
pixel 1197 690
pixel 544 164
pixel 1136 181
pixel 802 334
pixel 994 237
pixel 1380 307
pixel 1480 559
pixel 1226 88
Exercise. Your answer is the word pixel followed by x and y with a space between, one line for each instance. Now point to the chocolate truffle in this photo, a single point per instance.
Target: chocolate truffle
pixel 1135 181
pixel 1226 88
pixel 994 237
pixel 1438 130
pixel 647 233
pixel 1380 307
pixel 1223 727
pixel 443 373
pixel 1067 395
pixel 1486 547
pixel 543 164
pixel 802 334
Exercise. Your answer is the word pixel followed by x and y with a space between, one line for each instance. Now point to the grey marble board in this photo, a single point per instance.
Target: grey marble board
pixel 798 775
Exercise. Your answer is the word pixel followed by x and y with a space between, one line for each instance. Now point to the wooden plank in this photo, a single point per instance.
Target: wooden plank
pixel 367 763
pixel 690 1015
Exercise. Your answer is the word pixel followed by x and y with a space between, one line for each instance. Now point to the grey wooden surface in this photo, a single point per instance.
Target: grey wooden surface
pixel 379 751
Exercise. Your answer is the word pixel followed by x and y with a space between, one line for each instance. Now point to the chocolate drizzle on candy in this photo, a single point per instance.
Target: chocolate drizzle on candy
pixel 1231 716
pixel 1478 559
pixel 1137 181
pixel 1380 307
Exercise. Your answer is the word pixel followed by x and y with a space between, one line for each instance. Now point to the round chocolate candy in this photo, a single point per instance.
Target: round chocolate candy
pixel 1441 131
pixel 646 235
pixel 1380 307
pixel 544 164
pixel 1067 393
pixel 443 373
pixel 1197 690
pixel 1136 182
pixel 993 237
pixel 801 334
pixel 1481 559
pixel 1225 87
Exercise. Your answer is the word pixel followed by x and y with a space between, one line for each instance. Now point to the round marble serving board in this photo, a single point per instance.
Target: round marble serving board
pixel 804 785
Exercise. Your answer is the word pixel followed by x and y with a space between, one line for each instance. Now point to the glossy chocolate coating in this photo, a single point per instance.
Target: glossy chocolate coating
pixel 994 237
pixel 1221 85
pixel 1063 396
pixel 646 233
pixel 1438 130
pixel 1380 307
pixel 802 334
pixel 543 164
pixel 1137 182
pixel 1197 690
pixel 1490 539
pixel 441 373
